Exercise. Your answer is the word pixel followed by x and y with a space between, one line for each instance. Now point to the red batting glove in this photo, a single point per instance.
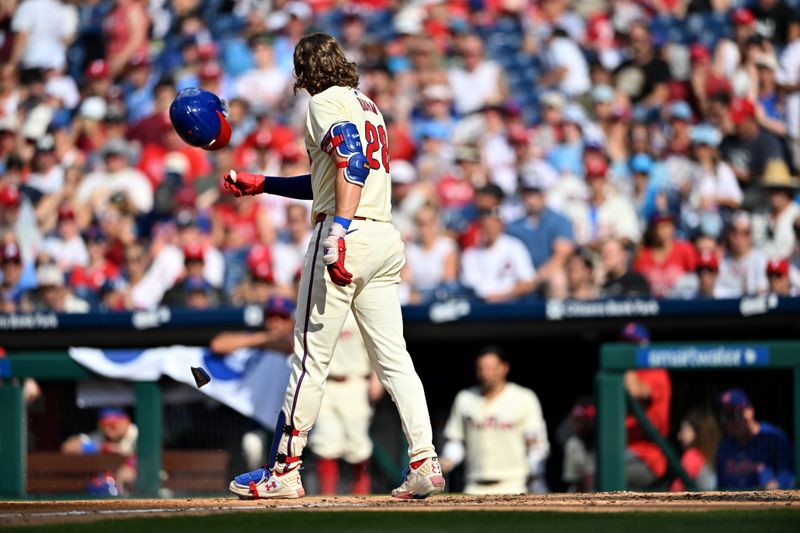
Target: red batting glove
pixel 336 270
pixel 242 183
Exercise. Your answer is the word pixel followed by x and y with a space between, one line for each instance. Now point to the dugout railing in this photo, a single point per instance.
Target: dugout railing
pixel 58 366
pixel 612 401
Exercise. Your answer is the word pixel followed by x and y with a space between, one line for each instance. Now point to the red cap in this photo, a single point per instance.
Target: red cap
pixel 778 267
pixel 596 167
pixel 207 51
pixel 709 261
pixel 9 196
pixel 65 212
pixel 259 261
pixel 742 109
pixel 262 139
pixel 98 70
pixel 139 59
pixel 210 71
pixel 518 134
pixel 9 252
pixel 699 54
pixel 743 17
pixel 193 252
pixel 186 197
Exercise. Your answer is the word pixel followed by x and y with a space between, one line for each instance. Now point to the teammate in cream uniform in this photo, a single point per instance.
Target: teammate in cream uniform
pixel 497 427
pixel 342 427
pixel 353 261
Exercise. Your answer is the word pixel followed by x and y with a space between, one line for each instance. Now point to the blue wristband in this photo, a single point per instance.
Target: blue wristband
pixel 345 222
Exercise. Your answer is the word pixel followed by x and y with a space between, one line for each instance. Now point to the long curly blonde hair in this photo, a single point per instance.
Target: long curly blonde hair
pixel 319 63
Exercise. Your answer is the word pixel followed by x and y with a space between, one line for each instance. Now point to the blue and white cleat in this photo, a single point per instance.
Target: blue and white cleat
pixel 263 484
pixel 422 479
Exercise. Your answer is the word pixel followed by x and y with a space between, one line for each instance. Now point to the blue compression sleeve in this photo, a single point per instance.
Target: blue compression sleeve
pixel 297 187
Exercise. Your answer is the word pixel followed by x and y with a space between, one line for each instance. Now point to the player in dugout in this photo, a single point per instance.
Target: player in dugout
pixel 497 428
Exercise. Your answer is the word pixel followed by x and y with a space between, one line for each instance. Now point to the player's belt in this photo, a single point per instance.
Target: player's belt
pixel 322 216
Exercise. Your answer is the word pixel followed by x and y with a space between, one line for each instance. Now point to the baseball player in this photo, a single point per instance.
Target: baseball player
pixel 342 427
pixel 353 262
pixel 498 428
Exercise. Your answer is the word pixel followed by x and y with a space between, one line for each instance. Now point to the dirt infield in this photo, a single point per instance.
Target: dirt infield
pixel 45 512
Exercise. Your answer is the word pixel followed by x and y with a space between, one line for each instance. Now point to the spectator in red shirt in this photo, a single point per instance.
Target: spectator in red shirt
pixel 664 259
pixel 644 461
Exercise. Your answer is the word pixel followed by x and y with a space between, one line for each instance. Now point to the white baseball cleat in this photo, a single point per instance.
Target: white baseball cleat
pixel 422 479
pixel 263 484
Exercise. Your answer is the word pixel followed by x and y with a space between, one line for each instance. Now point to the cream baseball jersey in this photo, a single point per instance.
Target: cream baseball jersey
pixel 325 109
pixel 495 431
pixel 350 357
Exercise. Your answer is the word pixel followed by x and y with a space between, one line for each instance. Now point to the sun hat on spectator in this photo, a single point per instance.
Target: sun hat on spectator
pixel 603 94
pixel 706 134
pixel 93 108
pixel 279 306
pixel 641 164
pixel 707 261
pixel 10 253
pixel 768 61
pixel 743 17
pixel 778 267
pixel 437 92
pixel 552 99
pixel 742 109
pixel 403 172
pixel 680 111
pixel 10 197
pixel 49 276
pixel 776 176
pixel 98 70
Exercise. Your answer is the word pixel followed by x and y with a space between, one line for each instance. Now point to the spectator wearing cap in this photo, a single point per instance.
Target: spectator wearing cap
pixel 580 276
pixel 602 107
pixel 264 85
pixel 749 148
pixel 98 79
pixel 137 86
pixel 605 213
pixel 778 276
pixel 773 231
pixel 566 66
pixel 277 333
pixel 487 198
pixel 752 454
pixel 477 82
pixel 436 108
pixel 88 280
pixel 14 218
pixel 53 295
pixel 566 156
pixel 207 261
pixel 14 286
pixel 663 259
pixel 742 270
pixel 42 31
pixel 645 76
pixel 48 175
pixel 117 176
pixel 616 277
pixel 777 21
pixel 499 268
pixel 432 258
pixel 702 283
pixel 717 192
pixel 771 116
pixel 67 245
pixel 679 117
pixel 705 78
pixel 546 234
pixel 646 190
pixel 652 388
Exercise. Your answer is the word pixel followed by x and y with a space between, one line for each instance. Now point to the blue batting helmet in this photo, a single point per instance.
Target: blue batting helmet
pixel 199 118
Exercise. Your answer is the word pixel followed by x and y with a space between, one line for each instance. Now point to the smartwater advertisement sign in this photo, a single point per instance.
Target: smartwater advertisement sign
pixel 703 357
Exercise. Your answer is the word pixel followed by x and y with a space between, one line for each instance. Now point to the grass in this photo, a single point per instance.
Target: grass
pixel 772 521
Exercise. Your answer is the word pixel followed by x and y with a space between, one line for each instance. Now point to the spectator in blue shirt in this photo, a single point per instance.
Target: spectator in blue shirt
pixel 547 235
pixel 753 454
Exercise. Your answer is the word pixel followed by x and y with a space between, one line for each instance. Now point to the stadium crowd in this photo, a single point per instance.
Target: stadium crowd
pixel 557 148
